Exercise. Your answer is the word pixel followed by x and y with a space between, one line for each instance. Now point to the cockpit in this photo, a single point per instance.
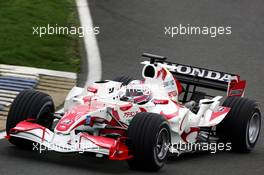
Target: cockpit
pixel 135 94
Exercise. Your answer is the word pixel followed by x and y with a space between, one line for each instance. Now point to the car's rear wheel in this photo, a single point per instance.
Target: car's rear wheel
pixel 149 141
pixel 29 104
pixel 242 124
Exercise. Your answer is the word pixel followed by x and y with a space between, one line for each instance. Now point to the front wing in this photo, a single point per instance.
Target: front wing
pixel 115 149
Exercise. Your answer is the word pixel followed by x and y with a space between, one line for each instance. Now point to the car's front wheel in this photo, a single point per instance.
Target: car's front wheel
pixel 29 104
pixel 149 140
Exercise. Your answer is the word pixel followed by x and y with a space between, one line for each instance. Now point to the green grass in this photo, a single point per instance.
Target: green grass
pixel 18 46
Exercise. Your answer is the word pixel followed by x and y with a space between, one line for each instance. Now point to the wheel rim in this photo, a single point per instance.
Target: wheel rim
pixel 162 143
pixel 253 128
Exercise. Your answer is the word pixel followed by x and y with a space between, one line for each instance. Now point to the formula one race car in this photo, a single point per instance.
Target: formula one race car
pixel 141 121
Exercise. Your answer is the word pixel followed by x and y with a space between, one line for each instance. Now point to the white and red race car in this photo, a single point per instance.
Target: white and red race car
pixel 141 121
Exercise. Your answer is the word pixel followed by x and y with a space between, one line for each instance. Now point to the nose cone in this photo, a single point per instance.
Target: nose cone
pixel 73 118
pixel 77 116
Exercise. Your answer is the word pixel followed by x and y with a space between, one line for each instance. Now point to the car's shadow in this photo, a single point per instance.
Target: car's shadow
pixel 91 163
pixel 72 160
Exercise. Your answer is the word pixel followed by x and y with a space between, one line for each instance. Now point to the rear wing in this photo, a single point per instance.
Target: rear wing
pixel 201 77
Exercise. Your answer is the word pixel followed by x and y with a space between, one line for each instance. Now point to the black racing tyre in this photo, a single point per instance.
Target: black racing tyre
pixel 29 104
pixel 125 80
pixel 241 126
pixel 149 140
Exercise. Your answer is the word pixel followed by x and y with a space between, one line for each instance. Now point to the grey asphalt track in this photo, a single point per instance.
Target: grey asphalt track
pixel 128 28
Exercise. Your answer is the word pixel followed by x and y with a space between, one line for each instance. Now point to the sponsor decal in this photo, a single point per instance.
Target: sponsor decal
pixel 236 92
pixel 199 72
pixel 129 114
pixel 169 83
pixel 88 119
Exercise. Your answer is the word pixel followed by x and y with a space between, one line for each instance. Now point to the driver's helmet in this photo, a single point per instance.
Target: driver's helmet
pixel 136 94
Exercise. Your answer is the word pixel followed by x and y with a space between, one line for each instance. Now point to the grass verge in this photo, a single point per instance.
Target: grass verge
pixel 18 45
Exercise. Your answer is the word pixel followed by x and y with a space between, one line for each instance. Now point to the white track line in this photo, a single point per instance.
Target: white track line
pixel 91 47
